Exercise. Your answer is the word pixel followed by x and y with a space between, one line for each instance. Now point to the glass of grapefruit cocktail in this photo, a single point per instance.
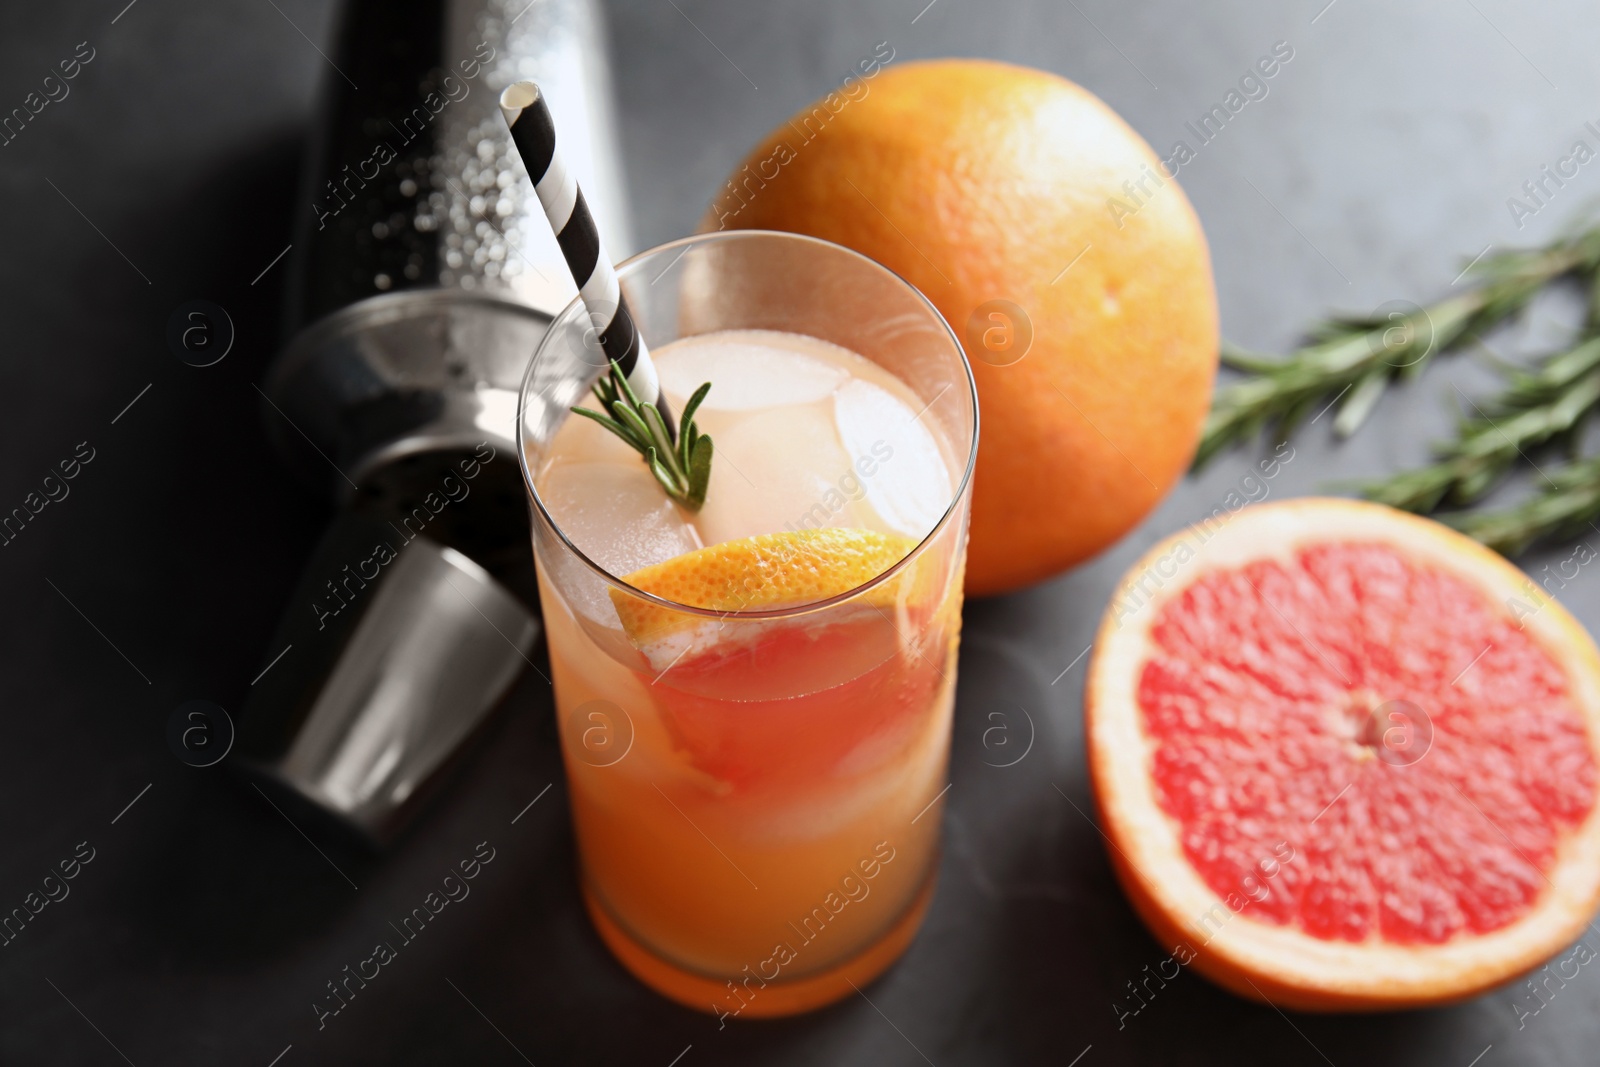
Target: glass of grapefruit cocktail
pixel 755 697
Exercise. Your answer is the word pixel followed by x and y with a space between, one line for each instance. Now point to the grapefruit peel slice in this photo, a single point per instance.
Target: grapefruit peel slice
pixel 768 571
pixel 1282 964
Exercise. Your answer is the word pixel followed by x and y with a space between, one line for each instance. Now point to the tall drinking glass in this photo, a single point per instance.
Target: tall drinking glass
pixel 758 820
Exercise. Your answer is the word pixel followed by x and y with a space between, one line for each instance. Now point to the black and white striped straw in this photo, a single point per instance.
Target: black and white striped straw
pixel 534 133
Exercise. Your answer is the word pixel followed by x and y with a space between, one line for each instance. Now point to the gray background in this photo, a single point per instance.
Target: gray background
pixel 206 925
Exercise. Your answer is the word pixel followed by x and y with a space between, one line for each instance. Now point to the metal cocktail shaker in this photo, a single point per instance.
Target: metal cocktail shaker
pixel 424 276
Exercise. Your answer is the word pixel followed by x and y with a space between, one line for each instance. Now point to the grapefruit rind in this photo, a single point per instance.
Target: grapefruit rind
pixel 1280 964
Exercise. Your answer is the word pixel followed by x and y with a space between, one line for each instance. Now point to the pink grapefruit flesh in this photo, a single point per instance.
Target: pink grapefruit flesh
pixel 1260 724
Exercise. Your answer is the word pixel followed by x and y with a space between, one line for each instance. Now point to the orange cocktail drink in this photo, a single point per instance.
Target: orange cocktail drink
pixel 755 695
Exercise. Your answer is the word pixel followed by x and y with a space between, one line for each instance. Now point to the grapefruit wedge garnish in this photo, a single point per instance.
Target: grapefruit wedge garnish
pixel 760 573
pixel 1345 758
pixel 768 701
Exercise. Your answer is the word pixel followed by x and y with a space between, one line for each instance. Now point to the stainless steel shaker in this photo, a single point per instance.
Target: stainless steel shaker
pixel 424 275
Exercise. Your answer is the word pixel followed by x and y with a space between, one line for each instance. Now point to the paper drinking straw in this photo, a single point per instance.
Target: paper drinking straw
pixel 534 134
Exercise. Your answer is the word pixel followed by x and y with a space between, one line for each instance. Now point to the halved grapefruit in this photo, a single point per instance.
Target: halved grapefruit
pixel 1345 758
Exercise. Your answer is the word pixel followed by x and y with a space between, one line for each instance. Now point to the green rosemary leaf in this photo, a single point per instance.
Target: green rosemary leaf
pixel 620 384
pixel 660 436
pixel 694 403
pixel 1360 400
pixel 1419 490
pixel 610 424
pixel 682 467
pixel 686 442
pixel 667 478
pixel 634 421
pixel 1568 504
pixel 1237 358
pixel 699 472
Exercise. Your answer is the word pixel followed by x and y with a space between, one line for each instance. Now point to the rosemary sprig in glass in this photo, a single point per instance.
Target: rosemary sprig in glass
pixel 682 466
pixel 1351 361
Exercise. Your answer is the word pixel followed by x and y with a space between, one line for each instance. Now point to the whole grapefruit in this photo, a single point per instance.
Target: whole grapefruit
pixel 1050 237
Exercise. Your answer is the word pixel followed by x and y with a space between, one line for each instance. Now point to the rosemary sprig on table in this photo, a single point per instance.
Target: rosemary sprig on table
pixel 1546 404
pixel 1567 504
pixel 682 466
pixel 1351 361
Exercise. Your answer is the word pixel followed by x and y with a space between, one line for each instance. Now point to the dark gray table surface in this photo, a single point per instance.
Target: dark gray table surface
pixel 206 925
